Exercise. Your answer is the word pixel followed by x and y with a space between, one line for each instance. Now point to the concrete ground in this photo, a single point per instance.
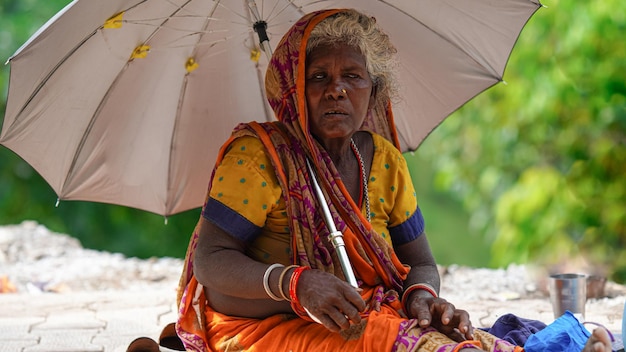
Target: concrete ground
pixel 109 321
pixel 83 321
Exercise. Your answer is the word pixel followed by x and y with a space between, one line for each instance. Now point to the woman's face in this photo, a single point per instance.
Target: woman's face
pixel 338 91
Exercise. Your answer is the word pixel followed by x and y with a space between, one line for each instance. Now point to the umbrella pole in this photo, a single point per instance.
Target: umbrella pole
pixel 336 237
pixel 260 27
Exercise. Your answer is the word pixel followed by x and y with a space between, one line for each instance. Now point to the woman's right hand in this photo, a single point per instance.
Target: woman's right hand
pixel 333 301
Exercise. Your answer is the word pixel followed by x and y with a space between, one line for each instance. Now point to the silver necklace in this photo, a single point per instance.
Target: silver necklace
pixel 366 196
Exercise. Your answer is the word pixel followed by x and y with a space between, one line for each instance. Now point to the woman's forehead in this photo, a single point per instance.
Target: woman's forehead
pixel 332 52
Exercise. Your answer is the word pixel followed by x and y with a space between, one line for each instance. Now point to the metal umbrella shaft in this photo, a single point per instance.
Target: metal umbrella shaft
pixel 336 237
pixel 260 27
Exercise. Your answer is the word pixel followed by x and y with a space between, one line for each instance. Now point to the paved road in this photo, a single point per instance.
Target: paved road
pixel 82 322
pixel 109 321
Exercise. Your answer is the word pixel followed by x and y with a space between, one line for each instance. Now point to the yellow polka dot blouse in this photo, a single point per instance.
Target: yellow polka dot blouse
pixel 246 200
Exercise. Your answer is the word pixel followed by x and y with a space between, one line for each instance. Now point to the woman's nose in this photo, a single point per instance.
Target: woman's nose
pixel 337 91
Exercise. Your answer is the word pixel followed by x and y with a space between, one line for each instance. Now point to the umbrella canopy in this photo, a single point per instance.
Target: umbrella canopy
pixel 128 101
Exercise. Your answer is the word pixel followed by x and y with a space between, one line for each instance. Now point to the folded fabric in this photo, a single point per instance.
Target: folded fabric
pixel 565 334
pixel 514 329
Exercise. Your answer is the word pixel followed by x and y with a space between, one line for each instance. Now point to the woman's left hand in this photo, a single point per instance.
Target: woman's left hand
pixel 441 315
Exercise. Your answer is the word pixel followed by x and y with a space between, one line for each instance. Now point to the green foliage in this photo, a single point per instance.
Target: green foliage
pixel 540 162
pixel 446 220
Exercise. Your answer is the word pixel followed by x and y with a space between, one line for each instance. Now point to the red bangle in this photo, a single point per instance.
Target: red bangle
pixel 415 287
pixel 293 286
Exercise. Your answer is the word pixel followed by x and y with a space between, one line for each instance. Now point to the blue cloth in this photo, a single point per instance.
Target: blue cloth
pixel 565 334
pixel 514 329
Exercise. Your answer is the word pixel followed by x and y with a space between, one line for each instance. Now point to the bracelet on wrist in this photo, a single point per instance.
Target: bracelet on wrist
pixel 281 279
pixel 293 286
pixel 415 287
pixel 266 284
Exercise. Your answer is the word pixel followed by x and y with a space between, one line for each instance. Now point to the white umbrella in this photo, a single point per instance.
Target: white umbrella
pixel 128 101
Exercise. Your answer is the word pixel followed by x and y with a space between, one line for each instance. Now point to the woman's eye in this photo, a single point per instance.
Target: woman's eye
pixel 353 75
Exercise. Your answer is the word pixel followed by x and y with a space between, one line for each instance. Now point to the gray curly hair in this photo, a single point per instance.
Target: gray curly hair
pixel 361 31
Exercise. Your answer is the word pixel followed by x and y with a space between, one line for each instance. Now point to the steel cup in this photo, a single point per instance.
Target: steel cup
pixel 568 292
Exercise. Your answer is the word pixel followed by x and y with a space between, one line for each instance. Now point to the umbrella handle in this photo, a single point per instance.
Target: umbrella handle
pixel 260 27
pixel 336 237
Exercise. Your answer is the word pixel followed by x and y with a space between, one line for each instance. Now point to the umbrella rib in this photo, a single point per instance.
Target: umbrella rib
pixel 170 168
pixel 56 67
pixel 158 27
pixel 92 120
pixel 181 99
pixel 205 27
pixel 94 116
pixel 287 5
pixel 50 74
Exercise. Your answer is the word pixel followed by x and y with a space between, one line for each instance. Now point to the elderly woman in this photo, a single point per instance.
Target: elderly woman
pixel 261 271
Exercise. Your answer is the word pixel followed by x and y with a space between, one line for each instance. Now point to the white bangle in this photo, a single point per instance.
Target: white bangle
pixel 266 283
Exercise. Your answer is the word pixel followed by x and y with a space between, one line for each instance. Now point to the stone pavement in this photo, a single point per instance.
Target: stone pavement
pixel 82 321
pixel 108 321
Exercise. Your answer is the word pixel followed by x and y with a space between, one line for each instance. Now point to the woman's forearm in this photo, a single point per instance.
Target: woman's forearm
pixel 418 256
pixel 233 282
pixel 221 264
pixel 243 307
pixel 424 274
pixel 232 273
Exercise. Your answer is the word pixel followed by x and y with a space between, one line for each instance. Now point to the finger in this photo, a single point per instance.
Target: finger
pixel 352 295
pixel 466 330
pixel 469 334
pixel 352 314
pixel 329 323
pixel 447 312
pixel 462 323
pixel 424 316
pixel 349 304
pixel 465 325
pixel 455 335
pixel 340 319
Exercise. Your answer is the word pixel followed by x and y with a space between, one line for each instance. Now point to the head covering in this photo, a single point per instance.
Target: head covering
pixel 285 81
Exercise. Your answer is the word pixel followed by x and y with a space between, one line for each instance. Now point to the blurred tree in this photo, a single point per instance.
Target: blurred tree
pixel 540 163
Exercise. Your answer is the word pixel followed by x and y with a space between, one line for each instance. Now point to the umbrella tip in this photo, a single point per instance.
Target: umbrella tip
pixel 56 205
pixel 165 220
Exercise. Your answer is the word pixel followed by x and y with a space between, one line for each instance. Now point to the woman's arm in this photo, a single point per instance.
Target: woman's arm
pixel 421 304
pixel 233 281
pixel 418 256
pixel 234 284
